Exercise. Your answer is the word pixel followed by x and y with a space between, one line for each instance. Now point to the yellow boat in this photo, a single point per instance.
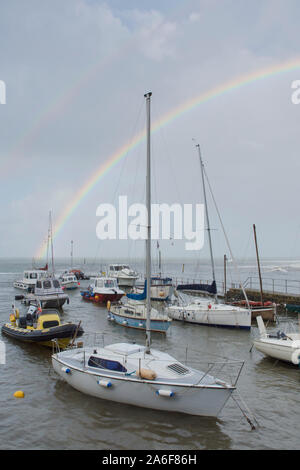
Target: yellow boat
pixel 41 326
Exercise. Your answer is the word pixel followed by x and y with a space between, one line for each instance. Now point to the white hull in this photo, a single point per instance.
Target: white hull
pixel 282 346
pixel 22 285
pixel 240 318
pixel 70 285
pixel 126 281
pixel 201 401
pixel 278 349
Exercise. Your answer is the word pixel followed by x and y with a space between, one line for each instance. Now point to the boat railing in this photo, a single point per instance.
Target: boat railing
pixel 272 285
pixel 226 371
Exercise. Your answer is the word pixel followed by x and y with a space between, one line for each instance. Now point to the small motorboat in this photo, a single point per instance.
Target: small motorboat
pixel 42 327
pixel 282 346
pixel 79 274
pixel 103 290
pixel 125 276
pixel 69 281
pixel 47 294
pixel 30 278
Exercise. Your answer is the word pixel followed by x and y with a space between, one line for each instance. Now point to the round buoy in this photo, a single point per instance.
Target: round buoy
pixel 19 394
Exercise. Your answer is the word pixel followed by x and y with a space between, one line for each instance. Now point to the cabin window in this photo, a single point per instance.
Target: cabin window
pixel 26 275
pixel 39 284
pixel 109 284
pixel 106 364
pixel 47 284
pixel 56 283
pixel 33 275
pixel 50 323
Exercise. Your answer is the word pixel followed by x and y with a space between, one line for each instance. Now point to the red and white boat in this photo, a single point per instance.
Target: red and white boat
pixel 103 289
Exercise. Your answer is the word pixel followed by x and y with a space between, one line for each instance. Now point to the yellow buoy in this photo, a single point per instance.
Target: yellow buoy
pixel 108 305
pixel 19 394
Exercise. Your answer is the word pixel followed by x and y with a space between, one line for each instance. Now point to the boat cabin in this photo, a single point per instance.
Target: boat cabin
pixel 67 277
pixel 48 286
pixel 106 282
pixel 118 267
pixel 35 275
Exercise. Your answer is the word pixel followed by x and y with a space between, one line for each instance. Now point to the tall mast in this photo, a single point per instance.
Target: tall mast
pixel 72 254
pixel 148 240
pixel 207 218
pixel 51 237
pixel 258 266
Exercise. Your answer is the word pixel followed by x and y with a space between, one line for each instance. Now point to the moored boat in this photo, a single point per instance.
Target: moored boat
pixel 30 278
pixel 284 346
pixel 133 314
pixel 125 276
pixel 69 281
pixel 47 294
pixel 42 327
pixel 205 312
pixel 126 373
pixel 103 290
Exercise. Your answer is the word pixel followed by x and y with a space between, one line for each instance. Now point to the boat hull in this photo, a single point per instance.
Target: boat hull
pixel 70 285
pixel 63 334
pixel 126 281
pixel 160 326
pixel 22 286
pixel 225 319
pixel 277 350
pixel 193 400
pixel 101 298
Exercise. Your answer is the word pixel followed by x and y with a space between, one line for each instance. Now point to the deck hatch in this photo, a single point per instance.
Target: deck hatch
pixel 178 368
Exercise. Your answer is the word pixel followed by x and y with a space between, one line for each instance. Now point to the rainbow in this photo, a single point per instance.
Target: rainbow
pixel 169 117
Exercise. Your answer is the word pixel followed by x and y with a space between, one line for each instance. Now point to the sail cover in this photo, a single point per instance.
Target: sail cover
pixel 209 288
pixel 141 296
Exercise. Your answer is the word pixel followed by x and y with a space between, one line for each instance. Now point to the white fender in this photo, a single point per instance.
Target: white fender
pixel 295 357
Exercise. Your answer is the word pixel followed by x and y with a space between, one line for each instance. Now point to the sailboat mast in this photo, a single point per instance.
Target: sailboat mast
pixel 51 237
pixel 206 213
pixel 71 254
pixel 148 240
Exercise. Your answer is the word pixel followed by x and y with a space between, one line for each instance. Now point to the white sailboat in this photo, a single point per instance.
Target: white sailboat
pixel 138 375
pixel 211 313
pixel 282 346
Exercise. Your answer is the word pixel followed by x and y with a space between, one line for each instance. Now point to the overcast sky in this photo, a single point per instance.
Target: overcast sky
pixel 76 72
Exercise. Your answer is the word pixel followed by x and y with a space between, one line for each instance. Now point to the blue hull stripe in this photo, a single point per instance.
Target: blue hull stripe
pixel 140 324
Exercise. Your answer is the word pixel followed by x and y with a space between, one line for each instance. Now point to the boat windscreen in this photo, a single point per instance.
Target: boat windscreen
pixel 106 364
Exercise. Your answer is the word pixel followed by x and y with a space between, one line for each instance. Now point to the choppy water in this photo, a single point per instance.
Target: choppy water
pixel 54 416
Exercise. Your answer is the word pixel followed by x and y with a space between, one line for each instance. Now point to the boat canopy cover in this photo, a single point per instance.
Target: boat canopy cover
pixel 141 296
pixel 210 288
